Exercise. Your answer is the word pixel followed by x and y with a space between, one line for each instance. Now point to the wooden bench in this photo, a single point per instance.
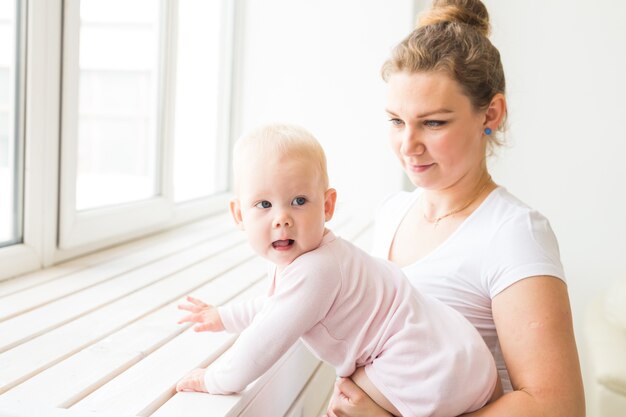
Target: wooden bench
pixel 98 336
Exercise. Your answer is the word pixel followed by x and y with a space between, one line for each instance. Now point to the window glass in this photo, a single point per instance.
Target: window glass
pixel 10 140
pixel 197 93
pixel 118 145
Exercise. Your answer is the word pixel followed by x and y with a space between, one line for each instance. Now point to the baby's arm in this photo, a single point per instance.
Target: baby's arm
pixel 232 317
pixel 240 315
pixel 299 303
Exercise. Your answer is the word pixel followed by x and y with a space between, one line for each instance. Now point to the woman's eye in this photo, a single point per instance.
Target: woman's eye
pixel 263 204
pixel 434 123
pixel 395 122
pixel 298 201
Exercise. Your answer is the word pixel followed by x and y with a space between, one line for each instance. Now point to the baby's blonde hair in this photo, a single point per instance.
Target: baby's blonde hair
pixel 279 140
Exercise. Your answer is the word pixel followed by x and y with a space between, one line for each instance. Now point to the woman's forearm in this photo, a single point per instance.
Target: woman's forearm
pixel 523 404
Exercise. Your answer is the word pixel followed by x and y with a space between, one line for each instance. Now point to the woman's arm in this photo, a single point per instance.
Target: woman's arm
pixel 534 323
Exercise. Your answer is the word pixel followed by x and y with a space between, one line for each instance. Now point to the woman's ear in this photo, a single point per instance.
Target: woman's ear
pixel 235 211
pixel 495 112
pixel 330 197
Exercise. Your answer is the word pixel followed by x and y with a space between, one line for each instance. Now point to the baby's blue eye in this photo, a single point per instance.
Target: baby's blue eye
pixel 263 204
pixel 298 201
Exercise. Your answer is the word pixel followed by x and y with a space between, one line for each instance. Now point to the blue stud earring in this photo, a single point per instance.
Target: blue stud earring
pixel 487 131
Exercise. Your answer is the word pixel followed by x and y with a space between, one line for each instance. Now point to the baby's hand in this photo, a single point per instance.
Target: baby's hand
pixel 205 314
pixel 193 381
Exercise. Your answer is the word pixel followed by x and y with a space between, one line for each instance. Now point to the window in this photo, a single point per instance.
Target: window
pixel 118 158
pixel 121 113
pixel 142 92
pixel 11 140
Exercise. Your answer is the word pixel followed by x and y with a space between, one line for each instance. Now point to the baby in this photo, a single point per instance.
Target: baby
pixel 410 353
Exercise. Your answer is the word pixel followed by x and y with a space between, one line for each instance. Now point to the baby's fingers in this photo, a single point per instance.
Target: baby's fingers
pixel 189 307
pixel 193 381
pixel 193 318
pixel 185 384
pixel 197 302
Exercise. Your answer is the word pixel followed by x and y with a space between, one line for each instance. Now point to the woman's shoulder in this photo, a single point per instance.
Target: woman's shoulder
pixel 505 207
pixel 514 223
pixel 519 243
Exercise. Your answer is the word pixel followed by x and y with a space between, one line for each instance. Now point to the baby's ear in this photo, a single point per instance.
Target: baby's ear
pixel 330 197
pixel 235 211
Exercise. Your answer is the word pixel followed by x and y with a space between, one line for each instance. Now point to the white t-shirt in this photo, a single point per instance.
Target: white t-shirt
pixel 501 242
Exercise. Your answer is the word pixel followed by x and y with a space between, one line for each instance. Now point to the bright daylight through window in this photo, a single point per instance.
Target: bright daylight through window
pixel 10 139
pixel 197 109
pixel 118 145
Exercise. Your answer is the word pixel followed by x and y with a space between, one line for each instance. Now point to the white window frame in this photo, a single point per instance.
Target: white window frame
pixel 52 235
pixel 26 255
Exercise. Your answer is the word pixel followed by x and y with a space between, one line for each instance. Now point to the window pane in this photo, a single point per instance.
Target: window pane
pixel 118 146
pixel 197 94
pixel 10 192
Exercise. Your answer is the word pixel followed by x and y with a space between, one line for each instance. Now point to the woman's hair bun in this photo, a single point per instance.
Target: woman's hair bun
pixel 470 12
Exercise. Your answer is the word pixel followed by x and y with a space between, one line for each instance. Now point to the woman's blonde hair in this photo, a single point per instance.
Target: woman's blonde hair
pixel 279 140
pixel 452 37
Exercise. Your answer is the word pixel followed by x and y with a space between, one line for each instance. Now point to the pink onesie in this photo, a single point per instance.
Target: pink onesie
pixel 352 310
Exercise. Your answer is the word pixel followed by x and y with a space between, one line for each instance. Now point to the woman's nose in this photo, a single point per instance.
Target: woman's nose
pixel 411 143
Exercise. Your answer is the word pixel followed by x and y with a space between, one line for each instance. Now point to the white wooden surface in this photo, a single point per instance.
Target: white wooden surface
pixel 98 336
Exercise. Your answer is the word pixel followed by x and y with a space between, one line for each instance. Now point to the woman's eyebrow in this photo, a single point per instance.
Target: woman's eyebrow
pixel 428 113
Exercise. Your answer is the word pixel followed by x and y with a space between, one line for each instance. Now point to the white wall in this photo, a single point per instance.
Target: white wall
pixel 565 63
pixel 317 63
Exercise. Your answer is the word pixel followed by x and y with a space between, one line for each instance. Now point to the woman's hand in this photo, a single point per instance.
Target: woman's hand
pixel 193 381
pixel 202 313
pixel 349 400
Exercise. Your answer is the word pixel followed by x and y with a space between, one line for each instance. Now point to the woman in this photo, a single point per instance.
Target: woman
pixel 459 236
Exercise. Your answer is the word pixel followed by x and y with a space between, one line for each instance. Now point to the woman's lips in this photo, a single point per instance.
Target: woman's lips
pixel 420 168
pixel 282 244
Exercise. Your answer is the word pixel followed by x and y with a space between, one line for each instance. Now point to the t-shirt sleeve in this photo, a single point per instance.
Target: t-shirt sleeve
pixel 302 299
pixel 523 246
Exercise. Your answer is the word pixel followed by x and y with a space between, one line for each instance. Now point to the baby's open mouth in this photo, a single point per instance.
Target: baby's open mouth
pixel 282 244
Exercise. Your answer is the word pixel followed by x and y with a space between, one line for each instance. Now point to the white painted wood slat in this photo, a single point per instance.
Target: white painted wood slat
pixel 28 299
pixel 150 383
pixel 313 399
pixel 87 370
pixel 30 358
pixel 35 410
pixel 59 312
pixel 16 284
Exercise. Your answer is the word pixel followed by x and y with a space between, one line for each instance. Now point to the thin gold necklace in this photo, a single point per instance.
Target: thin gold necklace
pixel 436 220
